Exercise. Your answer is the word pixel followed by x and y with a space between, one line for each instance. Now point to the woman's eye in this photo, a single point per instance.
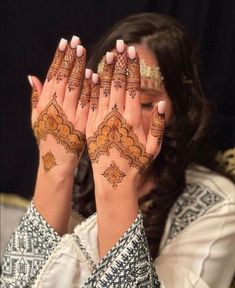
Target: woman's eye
pixel 147 105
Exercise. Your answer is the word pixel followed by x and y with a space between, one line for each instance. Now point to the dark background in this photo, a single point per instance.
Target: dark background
pixel 30 31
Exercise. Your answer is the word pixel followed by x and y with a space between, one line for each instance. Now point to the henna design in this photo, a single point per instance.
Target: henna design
pixel 114 175
pixel 34 97
pixel 119 73
pixel 58 58
pixel 158 125
pixel 66 65
pixel 77 73
pixel 48 161
pixel 115 132
pixel 106 77
pixel 53 121
pixel 86 92
pixel 133 77
pixel 94 102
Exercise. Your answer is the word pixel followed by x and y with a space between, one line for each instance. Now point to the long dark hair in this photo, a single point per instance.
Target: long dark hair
pixel 187 135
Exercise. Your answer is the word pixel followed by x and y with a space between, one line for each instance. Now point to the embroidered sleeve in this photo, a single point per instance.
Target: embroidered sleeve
pixel 27 250
pixel 127 264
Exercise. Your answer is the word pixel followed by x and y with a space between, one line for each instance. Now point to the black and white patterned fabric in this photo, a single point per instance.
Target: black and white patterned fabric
pixel 27 250
pixel 195 201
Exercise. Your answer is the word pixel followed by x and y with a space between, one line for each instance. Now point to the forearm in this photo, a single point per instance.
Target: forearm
pixel 52 197
pixel 116 211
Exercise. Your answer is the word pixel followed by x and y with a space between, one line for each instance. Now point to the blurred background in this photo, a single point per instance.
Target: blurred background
pixel 30 32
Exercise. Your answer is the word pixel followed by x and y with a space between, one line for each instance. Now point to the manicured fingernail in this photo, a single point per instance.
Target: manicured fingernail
pixel 161 107
pixel 80 50
pixel 131 52
pixel 74 41
pixel 63 44
pixel 30 80
pixel 88 73
pixel 109 57
pixel 120 46
pixel 95 78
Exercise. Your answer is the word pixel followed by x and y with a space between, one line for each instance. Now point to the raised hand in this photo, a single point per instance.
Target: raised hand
pixel 119 149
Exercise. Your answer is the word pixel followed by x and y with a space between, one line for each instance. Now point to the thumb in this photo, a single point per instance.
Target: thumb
pixel 157 127
pixel 36 89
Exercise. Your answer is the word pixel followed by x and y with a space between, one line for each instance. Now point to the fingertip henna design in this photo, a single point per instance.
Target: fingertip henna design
pixel 106 77
pixel 65 68
pixel 58 58
pixel 86 93
pixel 49 161
pixel 133 77
pixel 114 175
pixel 77 73
pixel 34 97
pixel 120 70
pixel 115 132
pixel 53 121
pixel 157 125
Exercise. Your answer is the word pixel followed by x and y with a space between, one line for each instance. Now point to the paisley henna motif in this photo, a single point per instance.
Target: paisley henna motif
pixel 77 73
pixel 94 100
pixel 157 125
pixel 114 175
pixel 66 65
pixel 133 77
pixel 106 78
pixel 119 73
pixel 86 92
pixel 34 97
pixel 48 161
pixel 53 121
pixel 59 55
pixel 115 132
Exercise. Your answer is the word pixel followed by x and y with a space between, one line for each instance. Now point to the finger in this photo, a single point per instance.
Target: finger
pixel 105 83
pixel 51 75
pixel 157 127
pixel 73 88
pixel 36 92
pixel 65 69
pixel 133 102
pixel 94 100
pixel 118 86
pixel 84 103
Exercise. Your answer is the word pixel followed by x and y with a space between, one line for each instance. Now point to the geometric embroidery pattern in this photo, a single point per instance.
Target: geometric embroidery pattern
pixel 192 203
pixel 127 264
pixel 28 250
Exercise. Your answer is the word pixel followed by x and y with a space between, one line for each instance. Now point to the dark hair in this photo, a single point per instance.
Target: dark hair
pixel 186 136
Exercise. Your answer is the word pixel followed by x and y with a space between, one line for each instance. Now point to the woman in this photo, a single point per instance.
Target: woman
pixel 188 209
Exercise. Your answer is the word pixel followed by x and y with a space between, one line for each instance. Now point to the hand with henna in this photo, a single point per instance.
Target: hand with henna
pixel 119 149
pixel 59 114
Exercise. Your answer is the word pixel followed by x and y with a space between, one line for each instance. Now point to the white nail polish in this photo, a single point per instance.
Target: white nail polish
pixel 88 73
pixel 95 78
pixel 131 52
pixel 109 57
pixel 120 46
pixel 74 41
pixel 80 50
pixel 30 80
pixel 161 107
pixel 63 44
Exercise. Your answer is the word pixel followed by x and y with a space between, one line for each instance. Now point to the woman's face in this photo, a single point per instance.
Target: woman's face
pixel 150 95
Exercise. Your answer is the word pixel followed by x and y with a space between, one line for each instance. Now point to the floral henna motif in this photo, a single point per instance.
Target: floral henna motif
pixel 59 55
pixel 53 121
pixel 133 77
pixel 77 73
pixel 115 132
pixel 66 65
pixel 48 161
pixel 95 90
pixel 86 92
pixel 34 97
pixel 158 125
pixel 114 175
pixel 106 77
pixel 119 74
